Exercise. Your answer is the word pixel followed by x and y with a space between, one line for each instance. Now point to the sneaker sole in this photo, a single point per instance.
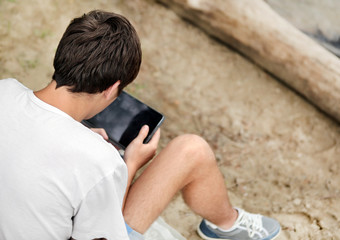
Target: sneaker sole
pixel 203 236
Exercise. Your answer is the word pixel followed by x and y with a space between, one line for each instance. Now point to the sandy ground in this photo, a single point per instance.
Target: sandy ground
pixel 279 154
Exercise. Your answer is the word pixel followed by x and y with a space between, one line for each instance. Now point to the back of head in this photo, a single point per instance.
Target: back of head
pixel 95 51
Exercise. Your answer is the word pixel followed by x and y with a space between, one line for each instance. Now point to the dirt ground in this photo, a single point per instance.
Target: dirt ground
pixel 280 155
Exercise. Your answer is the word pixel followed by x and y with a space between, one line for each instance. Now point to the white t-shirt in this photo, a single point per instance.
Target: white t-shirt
pixel 57 178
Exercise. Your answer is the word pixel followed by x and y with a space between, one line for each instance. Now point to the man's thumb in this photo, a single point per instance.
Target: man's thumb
pixel 143 132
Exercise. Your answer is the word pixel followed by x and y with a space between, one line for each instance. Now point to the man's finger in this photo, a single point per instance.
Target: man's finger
pixel 155 137
pixel 143 132
pixel 101 132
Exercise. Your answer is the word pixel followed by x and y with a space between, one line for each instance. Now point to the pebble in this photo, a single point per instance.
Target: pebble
pixel 297 201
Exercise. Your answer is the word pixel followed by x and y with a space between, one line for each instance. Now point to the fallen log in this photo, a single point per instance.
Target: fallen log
pixel 254 29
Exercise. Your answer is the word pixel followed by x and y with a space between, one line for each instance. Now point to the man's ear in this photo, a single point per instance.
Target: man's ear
pixel 112 91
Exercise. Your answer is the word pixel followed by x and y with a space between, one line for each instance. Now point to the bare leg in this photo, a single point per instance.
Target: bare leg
pixel 187 164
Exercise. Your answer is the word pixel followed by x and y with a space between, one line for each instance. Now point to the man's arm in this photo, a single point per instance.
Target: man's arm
pixel 137 154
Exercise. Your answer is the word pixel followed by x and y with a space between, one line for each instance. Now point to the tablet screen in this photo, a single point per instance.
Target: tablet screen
pixel 123 119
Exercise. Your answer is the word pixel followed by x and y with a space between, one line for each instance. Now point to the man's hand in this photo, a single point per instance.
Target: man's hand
pixel 101 132
pixel 137 153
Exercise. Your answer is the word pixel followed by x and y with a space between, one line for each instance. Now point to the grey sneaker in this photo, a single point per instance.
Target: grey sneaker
pixel 248 226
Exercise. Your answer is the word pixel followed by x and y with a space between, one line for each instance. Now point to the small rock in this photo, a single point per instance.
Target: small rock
pixel 297 201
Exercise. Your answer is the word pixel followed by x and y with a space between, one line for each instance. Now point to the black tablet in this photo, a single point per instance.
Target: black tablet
pixel 123 119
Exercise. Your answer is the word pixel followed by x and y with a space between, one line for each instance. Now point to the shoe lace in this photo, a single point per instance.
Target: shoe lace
pixel 253 223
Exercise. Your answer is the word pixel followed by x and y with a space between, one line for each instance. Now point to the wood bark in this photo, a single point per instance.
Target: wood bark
pixel 254 29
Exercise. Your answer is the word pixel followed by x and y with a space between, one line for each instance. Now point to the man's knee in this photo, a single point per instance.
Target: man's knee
pixel 194 147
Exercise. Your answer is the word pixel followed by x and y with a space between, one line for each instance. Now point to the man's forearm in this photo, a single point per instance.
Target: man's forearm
pixel 131 174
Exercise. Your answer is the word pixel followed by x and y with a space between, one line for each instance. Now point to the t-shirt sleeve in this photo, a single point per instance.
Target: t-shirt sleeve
pixel 99 214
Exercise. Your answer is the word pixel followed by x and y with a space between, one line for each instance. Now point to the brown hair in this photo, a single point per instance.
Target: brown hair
pixel 96 50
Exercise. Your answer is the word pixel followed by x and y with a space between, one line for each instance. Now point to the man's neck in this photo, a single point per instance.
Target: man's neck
pixel 77 105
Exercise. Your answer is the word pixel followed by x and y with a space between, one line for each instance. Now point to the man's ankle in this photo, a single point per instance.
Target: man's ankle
pixel 230 221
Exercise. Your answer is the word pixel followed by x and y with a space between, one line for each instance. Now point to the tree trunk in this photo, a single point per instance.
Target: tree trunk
pixel 254 29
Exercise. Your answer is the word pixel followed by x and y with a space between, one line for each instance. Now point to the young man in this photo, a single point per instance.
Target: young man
pixel 60 180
